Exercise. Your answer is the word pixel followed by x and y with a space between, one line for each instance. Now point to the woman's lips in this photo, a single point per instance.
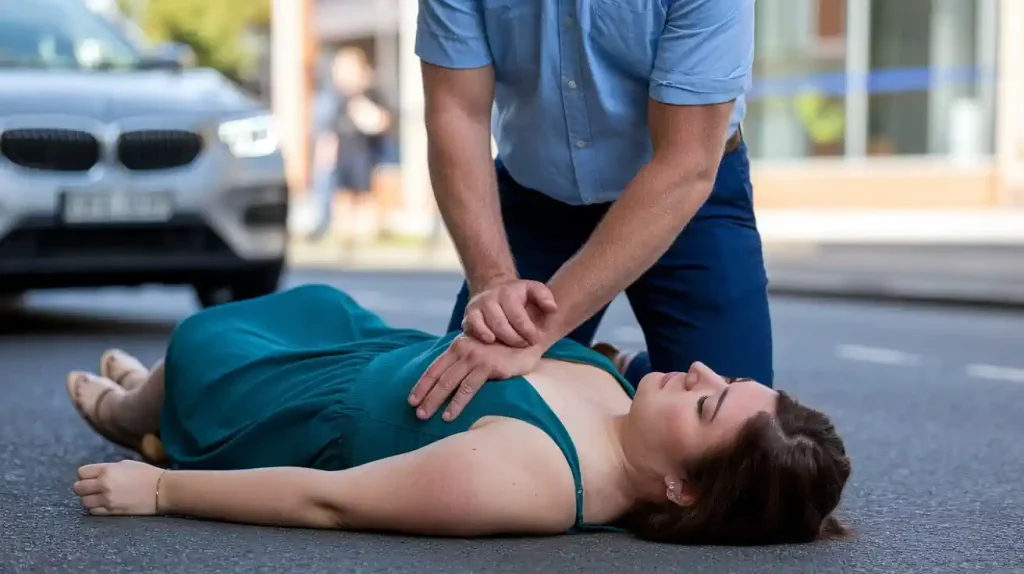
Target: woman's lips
pixel 667 378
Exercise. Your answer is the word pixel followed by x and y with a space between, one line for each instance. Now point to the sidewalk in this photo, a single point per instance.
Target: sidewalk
pixel 967 257
pixel 935 256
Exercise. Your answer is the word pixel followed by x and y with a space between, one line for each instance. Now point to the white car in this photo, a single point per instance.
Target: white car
pixel 120 168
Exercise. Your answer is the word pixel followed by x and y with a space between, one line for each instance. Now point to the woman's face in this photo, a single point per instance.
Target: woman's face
pixel 687 415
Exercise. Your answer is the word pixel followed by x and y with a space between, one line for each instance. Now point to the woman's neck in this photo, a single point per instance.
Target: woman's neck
pixel 640 481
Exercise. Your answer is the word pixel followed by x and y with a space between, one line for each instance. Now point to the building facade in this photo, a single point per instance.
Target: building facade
pixel 881 104
pixel 856 103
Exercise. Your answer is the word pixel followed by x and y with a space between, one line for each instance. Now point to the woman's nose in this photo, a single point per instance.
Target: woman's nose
pixel 701 375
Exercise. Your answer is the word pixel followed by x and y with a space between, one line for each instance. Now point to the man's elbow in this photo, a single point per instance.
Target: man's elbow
pixel 688 172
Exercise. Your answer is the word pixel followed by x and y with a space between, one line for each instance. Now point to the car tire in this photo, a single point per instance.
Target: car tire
pixel 242 286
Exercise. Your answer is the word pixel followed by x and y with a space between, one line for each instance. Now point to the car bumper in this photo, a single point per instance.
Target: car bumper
pixel 40 254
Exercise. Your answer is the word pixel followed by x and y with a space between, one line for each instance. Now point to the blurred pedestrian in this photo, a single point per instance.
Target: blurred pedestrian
pixel 621 167
pixel 357 140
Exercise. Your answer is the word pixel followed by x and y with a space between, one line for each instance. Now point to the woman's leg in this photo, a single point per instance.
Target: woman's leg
pixel 119 415
pixel 139 408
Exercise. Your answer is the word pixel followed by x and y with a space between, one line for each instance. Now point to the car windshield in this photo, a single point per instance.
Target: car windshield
pixel 61 34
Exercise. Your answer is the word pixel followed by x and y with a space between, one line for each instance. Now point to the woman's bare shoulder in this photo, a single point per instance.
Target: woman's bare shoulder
pixel 526 446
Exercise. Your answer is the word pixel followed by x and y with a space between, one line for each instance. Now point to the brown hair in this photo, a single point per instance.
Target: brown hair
pixel 778 483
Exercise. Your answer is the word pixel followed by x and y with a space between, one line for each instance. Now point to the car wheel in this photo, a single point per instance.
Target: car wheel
pixel 245 285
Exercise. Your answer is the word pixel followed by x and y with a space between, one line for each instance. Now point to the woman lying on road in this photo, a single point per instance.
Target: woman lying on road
pixel 269 414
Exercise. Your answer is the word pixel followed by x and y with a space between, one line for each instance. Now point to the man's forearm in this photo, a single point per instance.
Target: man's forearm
pixel 637 230
pixel 463 177
pixel 270 496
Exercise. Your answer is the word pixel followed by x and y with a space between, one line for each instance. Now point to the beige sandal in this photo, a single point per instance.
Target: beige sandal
pixel 116 365
pixel 149 446
pixel 76 378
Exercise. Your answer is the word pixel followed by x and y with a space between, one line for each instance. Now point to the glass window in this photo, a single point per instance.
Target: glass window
pixel 797 105
pixel 60 33
pixel 932 77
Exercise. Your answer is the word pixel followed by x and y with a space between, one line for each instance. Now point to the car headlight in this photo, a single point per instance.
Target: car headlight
pixel 250 137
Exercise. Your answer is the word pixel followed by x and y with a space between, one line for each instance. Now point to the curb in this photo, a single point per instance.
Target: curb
pixel 894 289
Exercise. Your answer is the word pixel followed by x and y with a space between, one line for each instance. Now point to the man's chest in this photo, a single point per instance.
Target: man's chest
pixel 603 37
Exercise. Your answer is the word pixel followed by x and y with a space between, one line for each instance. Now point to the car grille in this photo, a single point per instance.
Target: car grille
pixel 146 150
pixel 50 149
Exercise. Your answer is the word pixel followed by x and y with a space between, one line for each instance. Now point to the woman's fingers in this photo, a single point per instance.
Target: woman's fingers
pixel 87 487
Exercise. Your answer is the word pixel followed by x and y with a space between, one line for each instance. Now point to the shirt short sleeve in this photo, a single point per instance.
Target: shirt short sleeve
pixel 706 52
pixel 451 34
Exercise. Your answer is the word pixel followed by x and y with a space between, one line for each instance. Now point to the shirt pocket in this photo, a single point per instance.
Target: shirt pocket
pixel 513 34
pixel 624 35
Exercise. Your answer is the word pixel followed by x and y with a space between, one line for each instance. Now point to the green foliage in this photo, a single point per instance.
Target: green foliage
pixel 213 28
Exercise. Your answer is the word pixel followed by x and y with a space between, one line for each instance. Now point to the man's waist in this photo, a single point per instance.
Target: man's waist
pixel 733 143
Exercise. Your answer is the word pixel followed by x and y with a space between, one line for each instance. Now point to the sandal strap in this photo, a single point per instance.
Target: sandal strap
pixel 95 414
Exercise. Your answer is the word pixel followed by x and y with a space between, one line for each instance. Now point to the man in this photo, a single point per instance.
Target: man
pixel 621 167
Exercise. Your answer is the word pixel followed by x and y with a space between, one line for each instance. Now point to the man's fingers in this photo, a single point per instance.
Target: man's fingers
pixel 498 322
pixel 467 390
pixel 475 326
pixel 541 297
pixel 521 321
pixel 428 380
pixel 448 382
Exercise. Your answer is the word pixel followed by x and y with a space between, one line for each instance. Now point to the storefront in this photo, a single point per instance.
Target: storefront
pixel 875 103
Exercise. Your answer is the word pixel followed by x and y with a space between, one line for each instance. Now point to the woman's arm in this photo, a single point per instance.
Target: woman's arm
pixel 268 496
pixel 507 477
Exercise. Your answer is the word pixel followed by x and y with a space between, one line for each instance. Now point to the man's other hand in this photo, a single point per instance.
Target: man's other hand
pixel 500 312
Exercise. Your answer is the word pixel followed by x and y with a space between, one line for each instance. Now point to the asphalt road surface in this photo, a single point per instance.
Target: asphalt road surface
pixel 930 401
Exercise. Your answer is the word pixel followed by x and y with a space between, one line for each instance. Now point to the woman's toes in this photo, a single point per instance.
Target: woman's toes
pixel 123 369
pixel 90 395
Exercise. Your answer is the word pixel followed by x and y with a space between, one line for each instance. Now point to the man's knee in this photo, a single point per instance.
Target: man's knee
pixel 707 301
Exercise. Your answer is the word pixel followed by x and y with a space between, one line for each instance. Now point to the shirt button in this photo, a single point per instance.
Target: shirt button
pixel 581 143
pixel 572 84
pixel 568 21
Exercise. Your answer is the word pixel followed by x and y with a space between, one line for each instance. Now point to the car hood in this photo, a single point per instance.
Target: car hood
pixel 109 96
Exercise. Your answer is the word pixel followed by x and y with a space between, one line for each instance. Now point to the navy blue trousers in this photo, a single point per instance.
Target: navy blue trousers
pixel 704 300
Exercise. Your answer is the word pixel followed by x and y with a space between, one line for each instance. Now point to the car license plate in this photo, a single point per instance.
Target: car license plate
pixel 116 207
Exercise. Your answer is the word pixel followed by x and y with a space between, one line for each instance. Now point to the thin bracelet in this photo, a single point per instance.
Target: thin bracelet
pixel 158 491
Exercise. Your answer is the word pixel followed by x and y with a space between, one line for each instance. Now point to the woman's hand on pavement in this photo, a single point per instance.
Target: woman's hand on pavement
pixel 126 488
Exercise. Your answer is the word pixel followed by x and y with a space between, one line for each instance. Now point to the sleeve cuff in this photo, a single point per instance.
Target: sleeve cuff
pixel 697 91
pixel 457 53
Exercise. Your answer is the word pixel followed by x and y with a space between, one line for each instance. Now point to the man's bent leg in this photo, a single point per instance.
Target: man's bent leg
pixel 543 234
pixel 706 298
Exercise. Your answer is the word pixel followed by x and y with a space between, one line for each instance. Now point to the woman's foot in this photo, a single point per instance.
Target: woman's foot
pixel 94 398
pixel 123 369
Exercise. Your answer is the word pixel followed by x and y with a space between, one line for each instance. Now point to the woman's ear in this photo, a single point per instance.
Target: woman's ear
pixel 678 490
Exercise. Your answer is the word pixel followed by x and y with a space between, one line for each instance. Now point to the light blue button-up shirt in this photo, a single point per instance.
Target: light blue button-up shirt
pixel 573 77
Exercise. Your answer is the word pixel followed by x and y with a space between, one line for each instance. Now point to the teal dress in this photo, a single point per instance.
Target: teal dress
pixel 307 377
